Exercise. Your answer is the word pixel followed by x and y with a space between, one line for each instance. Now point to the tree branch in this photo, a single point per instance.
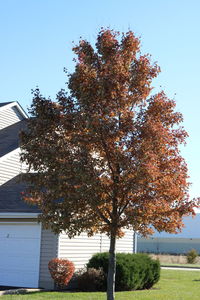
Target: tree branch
pixel 107 156
pixel 123 208
pixel 102 216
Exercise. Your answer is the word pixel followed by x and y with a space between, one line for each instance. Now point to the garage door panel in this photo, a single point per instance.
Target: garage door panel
pixel 16 261
pixel 17 268
pixel 17 276
pixel 15 231
pixel 19 254
pixel 23 247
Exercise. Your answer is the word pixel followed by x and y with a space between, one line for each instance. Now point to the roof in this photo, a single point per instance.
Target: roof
pixel 9 137
pixel 4 103
pixel 10 197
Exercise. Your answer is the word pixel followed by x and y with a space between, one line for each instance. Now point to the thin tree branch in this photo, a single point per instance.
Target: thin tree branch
pixel 102 216
pixel 108 158
pixel 123 208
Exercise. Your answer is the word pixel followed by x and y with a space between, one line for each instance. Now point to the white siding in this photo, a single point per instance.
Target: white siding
pixel 10 166
pixel 80 249
pixel 9 116
pixel 49 247
pixel 124 244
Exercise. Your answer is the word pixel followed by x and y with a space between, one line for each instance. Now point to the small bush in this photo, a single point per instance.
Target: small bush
pixel 61 271
pixel 192 256
pixel 133 271
pixel 91 280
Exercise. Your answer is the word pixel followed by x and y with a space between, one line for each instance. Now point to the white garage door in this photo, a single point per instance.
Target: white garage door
pixel 19 254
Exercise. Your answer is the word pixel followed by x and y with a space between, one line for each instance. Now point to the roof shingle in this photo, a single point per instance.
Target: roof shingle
pixel 9 137
pixel 10 197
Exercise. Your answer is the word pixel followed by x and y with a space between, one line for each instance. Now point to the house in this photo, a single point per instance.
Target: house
pixel 25 246
pixel 181 243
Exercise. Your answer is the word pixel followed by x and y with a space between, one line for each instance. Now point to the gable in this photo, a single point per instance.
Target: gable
pixel 4 103
pixel 11 113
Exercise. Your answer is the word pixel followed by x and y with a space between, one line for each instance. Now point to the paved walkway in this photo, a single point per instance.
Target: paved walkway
pixel 181 268
pixel 20 291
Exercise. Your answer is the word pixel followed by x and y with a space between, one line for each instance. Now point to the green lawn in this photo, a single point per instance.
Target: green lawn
pixel 174 285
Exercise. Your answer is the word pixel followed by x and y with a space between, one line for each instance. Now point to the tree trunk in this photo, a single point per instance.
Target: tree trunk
pixel 111 269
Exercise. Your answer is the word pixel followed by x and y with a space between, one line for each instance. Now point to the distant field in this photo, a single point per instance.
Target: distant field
pixel 166 259
pixel 174 285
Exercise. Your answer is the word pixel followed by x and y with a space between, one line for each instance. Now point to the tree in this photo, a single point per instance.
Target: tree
pixel 105 156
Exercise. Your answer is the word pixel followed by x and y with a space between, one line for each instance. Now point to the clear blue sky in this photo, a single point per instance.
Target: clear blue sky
pixel 36 41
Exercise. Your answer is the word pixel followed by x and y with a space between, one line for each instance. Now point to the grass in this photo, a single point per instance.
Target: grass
pixel 173 285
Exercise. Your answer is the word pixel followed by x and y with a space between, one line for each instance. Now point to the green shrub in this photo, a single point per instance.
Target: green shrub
pixel 192 256
pixel 91 280
pixel 133 271
pixel 149 270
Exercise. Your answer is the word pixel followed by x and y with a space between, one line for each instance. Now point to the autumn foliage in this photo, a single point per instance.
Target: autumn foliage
pixel 61 271
pixel 105 156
